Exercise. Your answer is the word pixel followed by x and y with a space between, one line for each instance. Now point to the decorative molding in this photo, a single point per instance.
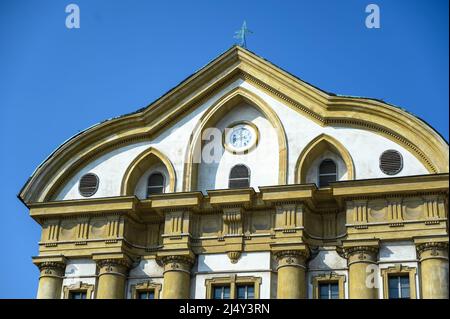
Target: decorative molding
pixel 356 254
pixel 233 281
pixel 399 269
pixel 328 278
pixel 317 146
pixel 145 286
pixel 212 115
pixel 140 164
pixel 432 250
pixel 234 256
pixel 112 266
pixel 232 221
pixel 78 287
pixel 324 108
pixel 292 258
pixel 51 269
pixel 182 263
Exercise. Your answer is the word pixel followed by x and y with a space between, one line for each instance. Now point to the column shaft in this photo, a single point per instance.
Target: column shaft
pixel 112 279
pixel 50 280
pixel 434 270
pixel 177 277
pixel 291 275
pixel 362 272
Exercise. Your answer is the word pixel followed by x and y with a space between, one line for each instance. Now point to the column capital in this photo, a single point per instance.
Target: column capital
pixel 51 266
pixel 359 253
pixel 114 265
pixel 429 250
pixel 182 263
pixel 292 258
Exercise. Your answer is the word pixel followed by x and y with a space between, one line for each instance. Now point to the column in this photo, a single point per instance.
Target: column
pixel 177 276
pixel 362 272
pixel 433 257
pixel 112 278
pixel 291 274
pixel 51 279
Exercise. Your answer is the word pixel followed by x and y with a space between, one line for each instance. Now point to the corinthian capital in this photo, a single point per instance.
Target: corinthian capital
pixel 432 250
pixel 359 253
pixel 52 268
pixel 177 262
pixel 117 266
pixel 292 258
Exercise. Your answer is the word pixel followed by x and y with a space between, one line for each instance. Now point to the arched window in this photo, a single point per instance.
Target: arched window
pixel 155 184
pixel 327 173
pixel 239 177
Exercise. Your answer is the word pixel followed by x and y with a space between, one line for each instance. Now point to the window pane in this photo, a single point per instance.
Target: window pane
pixel 217 293
pixel 239 171
pixel 245 292
pixel 251 292
pixel 155 184
pixel 324 291
pixel 241 292
pixel 393 283
pixel 77 295
pixel 226 292
pixel 334 287
pixel 155 190
pixel 221 292
pixel 146 294
pixel 404 286
pixel 156 180
pixel 327 167
pixel 239 177
pixel 325 180
pixel 239 183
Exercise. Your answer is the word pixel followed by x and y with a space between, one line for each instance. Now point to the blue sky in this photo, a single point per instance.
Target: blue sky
pixel 55 82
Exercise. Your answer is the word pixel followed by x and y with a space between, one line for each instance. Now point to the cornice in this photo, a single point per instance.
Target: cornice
pixel 432 183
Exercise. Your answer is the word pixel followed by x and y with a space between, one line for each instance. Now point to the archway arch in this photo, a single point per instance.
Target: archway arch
pixel 140 165
pixel 212 116
pixel 316 147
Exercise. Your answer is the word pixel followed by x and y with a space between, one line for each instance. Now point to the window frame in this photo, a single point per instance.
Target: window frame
pixel 233 281
pixel 239 178
pixel 327 279
pixel 145 286
pixel 399 270
pixel 163 183
pixel 326 174
pixel 78 287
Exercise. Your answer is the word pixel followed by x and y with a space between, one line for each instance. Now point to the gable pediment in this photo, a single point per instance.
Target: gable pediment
pixel 237 64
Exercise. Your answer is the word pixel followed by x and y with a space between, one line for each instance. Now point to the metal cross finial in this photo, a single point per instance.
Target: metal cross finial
pixel 241 35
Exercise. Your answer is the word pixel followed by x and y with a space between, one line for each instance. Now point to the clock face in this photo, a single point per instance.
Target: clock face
pixel 241 137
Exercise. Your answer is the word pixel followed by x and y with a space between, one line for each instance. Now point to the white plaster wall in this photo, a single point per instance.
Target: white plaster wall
pixel 257 264
pixel 327 259
pixel 79 270
pixel 397 252
pixel 262 161
pixel 365 148
pixel 111 167
pixel 146 270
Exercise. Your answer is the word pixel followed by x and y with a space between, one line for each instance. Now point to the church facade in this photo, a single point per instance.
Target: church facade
pixel 245 182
